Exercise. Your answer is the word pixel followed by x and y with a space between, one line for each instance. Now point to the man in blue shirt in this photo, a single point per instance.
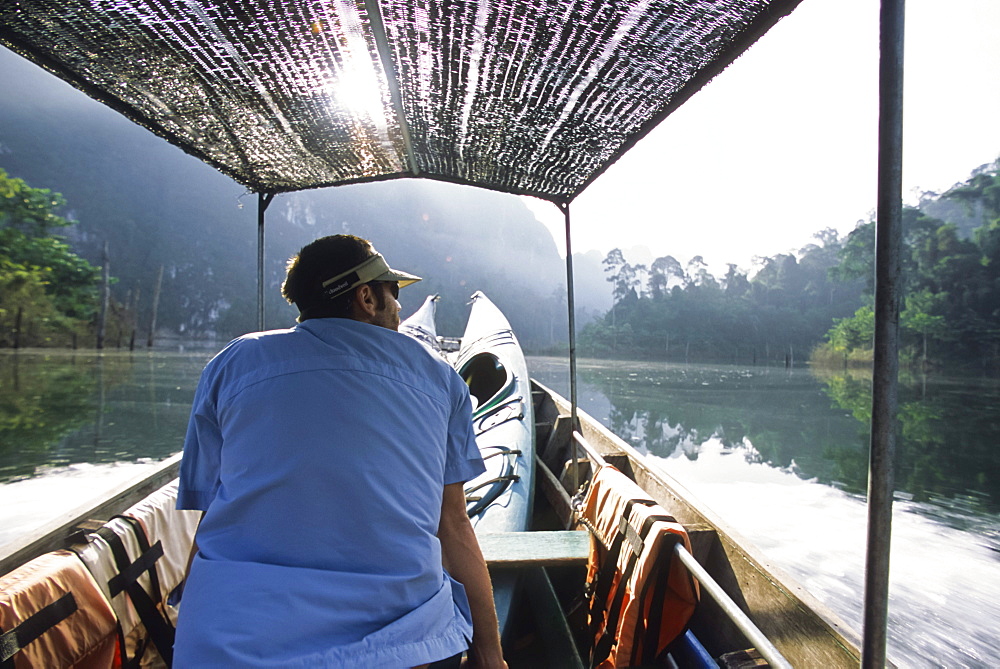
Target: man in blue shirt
pixel 329 460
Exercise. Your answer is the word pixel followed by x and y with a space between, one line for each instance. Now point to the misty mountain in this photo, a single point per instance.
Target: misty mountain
pixel 157 206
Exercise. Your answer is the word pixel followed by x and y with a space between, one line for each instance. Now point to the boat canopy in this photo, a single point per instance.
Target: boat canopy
pixel 533 98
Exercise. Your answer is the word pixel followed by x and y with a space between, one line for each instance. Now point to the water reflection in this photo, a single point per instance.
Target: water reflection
pixel 809 422
pixel 60 408
pixel 39 404
pixel 948 431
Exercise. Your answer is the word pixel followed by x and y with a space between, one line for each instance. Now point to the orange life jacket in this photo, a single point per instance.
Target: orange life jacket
pixel 641 598
pixel 52 614
pixel 67 610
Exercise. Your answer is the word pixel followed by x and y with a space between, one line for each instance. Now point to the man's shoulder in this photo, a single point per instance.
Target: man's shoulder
pixel 413 354
pixel 249 348
pixel 380 341
pixel 343 339
pixel 255 341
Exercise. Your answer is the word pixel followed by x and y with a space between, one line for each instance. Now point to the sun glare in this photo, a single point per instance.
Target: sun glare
pixel 355 84
pixel 356 88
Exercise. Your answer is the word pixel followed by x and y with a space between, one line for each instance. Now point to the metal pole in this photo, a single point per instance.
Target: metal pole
pixel 263 200
pixel 888 288
pixel 742 621
pixel 571 305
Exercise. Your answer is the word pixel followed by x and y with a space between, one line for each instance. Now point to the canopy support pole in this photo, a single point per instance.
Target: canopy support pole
pixel 571 305
pixel 263 200
pixel 888 290
pixel 392 81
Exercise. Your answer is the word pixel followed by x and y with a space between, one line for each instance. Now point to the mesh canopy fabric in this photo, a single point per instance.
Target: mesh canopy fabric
pixel 533 98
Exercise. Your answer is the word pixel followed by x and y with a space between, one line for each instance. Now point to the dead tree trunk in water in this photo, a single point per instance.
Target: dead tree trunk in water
pixel 134 316
pixel 105 296
pixel 17 327
pixel 156 305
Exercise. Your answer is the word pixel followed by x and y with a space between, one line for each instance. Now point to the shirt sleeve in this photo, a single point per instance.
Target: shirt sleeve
pixel 200 465
pixel 464 461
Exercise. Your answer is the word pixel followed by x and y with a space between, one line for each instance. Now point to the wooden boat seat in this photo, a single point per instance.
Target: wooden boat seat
pixel 535 549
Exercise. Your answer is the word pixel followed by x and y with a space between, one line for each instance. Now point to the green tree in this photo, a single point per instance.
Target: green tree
pixel 624 277
pixel 858 331
pixel 46 290
pixel 921 316
pixel 982 189
pixel 662 273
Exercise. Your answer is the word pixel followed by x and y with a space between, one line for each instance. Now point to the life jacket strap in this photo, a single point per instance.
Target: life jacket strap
pixel 34 626
pixel 601 585
pixel 145 562
pixel 650 634
pixel 144 547
pixel 161 632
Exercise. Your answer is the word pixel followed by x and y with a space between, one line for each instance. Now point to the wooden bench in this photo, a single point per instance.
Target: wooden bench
pixel 533 553
pixel 535 549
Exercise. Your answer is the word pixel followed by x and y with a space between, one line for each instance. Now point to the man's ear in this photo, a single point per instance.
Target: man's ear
pixel 365 303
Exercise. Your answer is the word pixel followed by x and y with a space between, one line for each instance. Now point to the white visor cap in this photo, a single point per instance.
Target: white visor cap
pixel 374 268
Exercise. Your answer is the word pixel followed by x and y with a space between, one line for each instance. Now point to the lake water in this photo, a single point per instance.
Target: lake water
pixel 780 454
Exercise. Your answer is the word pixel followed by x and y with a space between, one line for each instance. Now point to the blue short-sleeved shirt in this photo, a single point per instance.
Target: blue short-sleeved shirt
pixel 319 455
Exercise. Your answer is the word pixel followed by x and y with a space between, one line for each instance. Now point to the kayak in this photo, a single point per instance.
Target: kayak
pixel 421 325
pixel 491 362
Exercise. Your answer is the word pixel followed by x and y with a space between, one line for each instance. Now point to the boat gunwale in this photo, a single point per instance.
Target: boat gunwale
pixel 59 532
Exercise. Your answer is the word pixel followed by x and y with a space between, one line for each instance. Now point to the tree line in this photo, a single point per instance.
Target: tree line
pixel 681 312
pixel 46 291
pixel 52 289
pixel 818 302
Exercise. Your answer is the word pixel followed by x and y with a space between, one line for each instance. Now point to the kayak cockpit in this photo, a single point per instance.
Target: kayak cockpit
pixel 489 381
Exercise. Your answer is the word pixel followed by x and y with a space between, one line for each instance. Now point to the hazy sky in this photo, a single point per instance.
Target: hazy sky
pixel 784 142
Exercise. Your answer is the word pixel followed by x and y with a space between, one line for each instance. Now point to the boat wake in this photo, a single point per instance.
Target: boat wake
pixel 30 503
pixel 944 595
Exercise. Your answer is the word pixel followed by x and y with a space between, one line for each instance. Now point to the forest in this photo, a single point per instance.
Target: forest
pixel 818 303
pixel 179 231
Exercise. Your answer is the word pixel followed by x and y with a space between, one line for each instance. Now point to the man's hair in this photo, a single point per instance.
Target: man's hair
pixel 315 263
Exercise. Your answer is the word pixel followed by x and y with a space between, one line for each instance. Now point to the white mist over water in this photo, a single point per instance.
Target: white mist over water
pixel 944 608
